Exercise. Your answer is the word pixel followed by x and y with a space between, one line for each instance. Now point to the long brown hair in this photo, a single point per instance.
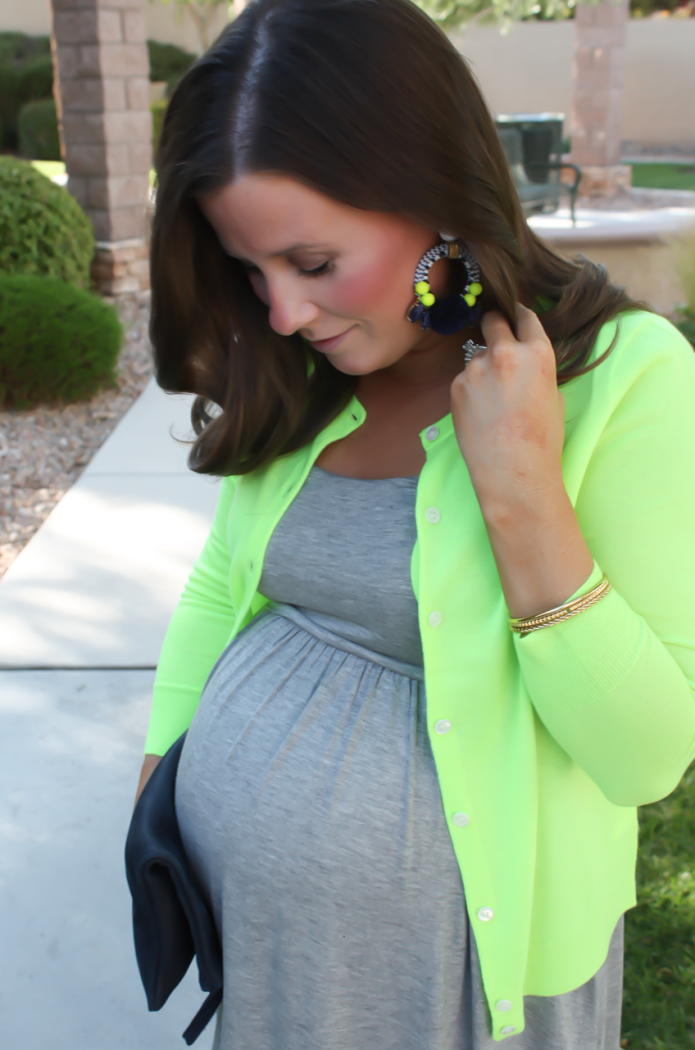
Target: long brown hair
pixel 368 102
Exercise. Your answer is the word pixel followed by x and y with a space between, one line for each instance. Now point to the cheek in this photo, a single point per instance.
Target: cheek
pixel 377 290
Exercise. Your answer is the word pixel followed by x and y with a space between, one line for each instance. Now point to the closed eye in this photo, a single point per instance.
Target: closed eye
pixel 318 271
pixel 325 267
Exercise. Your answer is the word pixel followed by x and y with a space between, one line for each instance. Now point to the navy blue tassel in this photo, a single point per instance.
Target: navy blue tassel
pixel 447 315
pixel 417 312
pixel 453 315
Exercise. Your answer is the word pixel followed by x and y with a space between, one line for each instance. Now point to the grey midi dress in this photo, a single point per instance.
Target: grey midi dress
pixel 309 805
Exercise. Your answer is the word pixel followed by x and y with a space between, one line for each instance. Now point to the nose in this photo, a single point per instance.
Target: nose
pixel 290 307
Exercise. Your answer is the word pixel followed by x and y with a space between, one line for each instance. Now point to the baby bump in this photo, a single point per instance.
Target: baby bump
pixel 307 776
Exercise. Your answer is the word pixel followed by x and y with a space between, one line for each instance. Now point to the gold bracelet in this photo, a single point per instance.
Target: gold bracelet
pixel 524 624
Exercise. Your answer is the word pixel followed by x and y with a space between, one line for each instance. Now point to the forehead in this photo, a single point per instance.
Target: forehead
pixel 264 214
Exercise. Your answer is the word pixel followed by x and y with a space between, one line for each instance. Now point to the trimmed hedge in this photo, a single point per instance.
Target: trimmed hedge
pixel 168 62
pixel 36 79
pixel 38 130
pixel 57 342
pixel 18 48
pixel 158 110
pixel 685 323
pixel 26 74
pixel 43 230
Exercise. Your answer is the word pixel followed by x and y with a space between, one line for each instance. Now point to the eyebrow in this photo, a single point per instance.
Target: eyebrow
pixel 285 251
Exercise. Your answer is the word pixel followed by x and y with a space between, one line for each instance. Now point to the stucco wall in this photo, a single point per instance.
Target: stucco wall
pixel 530 70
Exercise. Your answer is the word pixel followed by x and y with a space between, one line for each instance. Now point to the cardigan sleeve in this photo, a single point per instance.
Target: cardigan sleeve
pixel 196 636
pixel 615 685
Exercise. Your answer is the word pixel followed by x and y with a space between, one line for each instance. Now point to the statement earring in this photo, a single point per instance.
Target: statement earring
pixel 456 312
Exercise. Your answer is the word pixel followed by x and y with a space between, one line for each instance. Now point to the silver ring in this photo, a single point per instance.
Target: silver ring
pixel 471 349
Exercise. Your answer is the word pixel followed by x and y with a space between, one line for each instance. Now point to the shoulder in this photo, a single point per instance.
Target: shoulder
pixel 640 342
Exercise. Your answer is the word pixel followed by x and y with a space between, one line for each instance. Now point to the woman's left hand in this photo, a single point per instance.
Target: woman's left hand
pixel 509 414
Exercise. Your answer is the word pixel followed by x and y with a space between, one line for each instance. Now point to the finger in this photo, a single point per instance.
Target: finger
pixel 528 326
pixel 496 329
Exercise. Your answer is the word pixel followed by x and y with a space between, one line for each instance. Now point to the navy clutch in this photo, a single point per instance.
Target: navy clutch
pixel 172 921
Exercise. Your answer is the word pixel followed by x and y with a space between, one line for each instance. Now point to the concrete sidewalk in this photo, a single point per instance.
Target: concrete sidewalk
pixel 93 589
pixel 96 585
pixel 70 754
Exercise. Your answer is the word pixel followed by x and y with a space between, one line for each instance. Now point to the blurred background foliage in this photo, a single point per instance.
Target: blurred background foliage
pixel 457 14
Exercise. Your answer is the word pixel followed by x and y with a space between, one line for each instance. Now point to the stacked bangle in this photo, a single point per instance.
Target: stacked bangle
pixel 523 625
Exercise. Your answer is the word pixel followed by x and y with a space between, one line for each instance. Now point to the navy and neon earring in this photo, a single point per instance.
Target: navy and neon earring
pixel 456 312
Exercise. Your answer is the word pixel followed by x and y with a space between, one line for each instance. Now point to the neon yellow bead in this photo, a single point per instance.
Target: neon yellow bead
pixel 422 288
pixel 470 299
pixel 475 288
pixel 428 299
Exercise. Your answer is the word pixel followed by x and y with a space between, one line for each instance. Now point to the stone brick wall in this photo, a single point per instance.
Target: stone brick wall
pixel 103 82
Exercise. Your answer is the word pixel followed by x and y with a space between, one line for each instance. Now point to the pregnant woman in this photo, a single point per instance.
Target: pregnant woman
pixel 440 643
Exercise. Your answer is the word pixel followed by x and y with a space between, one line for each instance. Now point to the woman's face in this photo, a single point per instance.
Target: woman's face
pixel 341 277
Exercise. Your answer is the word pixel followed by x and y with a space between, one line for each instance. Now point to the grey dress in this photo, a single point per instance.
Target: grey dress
pixel 310 808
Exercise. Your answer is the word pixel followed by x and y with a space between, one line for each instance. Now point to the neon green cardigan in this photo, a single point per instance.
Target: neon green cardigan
pixel 556 737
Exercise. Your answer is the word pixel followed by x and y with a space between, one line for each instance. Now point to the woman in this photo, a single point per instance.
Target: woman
pixel 410 802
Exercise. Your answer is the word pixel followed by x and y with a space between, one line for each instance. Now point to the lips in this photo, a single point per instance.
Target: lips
pixel 327 345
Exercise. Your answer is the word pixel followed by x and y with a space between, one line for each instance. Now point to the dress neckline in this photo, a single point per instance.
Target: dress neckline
pixel 370 481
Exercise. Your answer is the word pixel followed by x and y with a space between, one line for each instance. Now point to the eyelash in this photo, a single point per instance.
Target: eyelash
pixel 324 268
pixel 319 271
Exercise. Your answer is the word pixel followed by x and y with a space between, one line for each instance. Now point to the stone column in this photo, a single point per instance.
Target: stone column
pixel 102 73
pixel 600 33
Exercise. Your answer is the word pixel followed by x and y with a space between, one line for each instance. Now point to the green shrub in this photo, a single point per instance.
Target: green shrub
pixel 36 79
pixel 685 323
pixel 57 342
pixel 168 62
pixel 10 104
pixel 38 130
pixel 18 48
pixel 158 108
pixel 43 230
pixel 26 74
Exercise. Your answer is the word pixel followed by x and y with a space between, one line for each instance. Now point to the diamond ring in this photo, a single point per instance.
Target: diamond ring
pixel 471 349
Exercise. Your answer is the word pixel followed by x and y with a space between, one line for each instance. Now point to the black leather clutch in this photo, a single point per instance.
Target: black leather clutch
pixel 171 918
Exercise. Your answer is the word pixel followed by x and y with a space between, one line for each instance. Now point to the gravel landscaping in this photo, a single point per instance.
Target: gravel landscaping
pixel 44 450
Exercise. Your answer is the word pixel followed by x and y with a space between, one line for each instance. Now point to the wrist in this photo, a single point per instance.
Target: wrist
pixel 509 510
pixel 541 555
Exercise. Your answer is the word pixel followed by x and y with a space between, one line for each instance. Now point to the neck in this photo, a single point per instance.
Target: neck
pixel 436 360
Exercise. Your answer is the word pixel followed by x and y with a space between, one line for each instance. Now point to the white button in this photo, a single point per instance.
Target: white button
pixel 461 820
pixel 432 433
pixel 503 1005
pixel 432 515
pixel 442 726
pixel 485 914
pixel 435 618
pixel 508 1030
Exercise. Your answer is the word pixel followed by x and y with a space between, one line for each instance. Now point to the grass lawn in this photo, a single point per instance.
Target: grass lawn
pixel 664 176
pixel 659 988
pixel 49 168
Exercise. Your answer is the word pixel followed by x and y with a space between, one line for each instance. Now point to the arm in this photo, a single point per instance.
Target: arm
pixel 197 634
pixel 614 685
